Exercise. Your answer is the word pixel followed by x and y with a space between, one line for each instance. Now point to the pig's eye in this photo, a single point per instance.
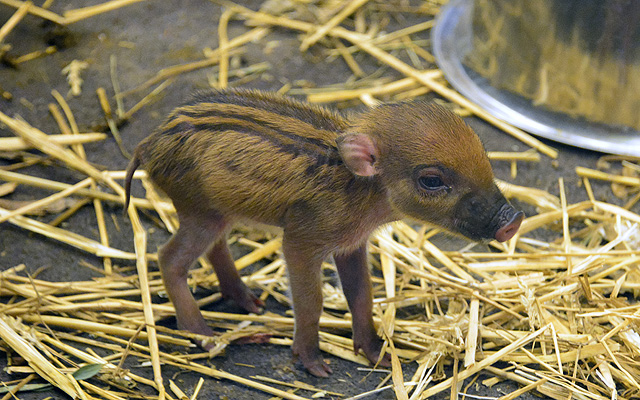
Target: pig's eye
pixel 432 183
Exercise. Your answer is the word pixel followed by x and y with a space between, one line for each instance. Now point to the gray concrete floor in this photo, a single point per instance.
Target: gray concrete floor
pixel 145 38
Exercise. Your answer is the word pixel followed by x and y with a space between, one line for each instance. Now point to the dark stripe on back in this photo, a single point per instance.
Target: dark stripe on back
pixel 276 128
pixel 318 117
pixel 291 148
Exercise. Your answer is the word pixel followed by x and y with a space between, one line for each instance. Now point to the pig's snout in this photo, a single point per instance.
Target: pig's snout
pixel 508 222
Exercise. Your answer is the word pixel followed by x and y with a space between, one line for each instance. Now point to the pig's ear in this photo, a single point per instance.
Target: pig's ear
pixel 359 153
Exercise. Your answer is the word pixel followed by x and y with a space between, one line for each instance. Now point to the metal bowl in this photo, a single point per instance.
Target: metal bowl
pixel 452 40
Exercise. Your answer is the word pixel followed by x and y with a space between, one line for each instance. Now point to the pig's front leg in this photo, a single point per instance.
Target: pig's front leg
pixel 353 270
pixel 304 266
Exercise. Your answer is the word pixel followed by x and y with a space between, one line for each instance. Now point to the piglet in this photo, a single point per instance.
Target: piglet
pixel 328 181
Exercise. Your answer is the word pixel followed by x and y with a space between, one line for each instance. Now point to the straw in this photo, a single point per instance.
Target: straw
pixel 79 149
pixel 14 19
pixel 35 10
pixel 18 144
pixel 48 200
pixel 79 14
pixel 36 360
pixel 140 241
pixel 323 30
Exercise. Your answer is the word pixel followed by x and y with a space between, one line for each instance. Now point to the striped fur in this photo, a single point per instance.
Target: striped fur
pixel 252 155
pixel 329 182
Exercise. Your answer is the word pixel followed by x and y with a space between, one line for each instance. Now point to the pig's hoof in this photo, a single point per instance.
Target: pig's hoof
pixel 206 345
pixel 245 299
pixel 200 329
pixel 371 350
pixel 318 368
pixel 314 363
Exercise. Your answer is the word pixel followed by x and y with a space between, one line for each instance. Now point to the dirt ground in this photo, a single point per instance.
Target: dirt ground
pixel 146 37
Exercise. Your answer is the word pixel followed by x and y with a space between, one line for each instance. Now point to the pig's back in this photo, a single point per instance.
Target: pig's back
pixel 250 154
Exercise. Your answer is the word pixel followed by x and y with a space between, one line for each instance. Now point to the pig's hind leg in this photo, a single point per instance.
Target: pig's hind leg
pixel 231 285
pixel 181 251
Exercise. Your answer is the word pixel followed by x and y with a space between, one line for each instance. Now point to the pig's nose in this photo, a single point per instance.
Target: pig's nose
pixel 509 229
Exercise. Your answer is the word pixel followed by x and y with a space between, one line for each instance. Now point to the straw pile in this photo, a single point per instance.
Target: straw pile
pixel 558 313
